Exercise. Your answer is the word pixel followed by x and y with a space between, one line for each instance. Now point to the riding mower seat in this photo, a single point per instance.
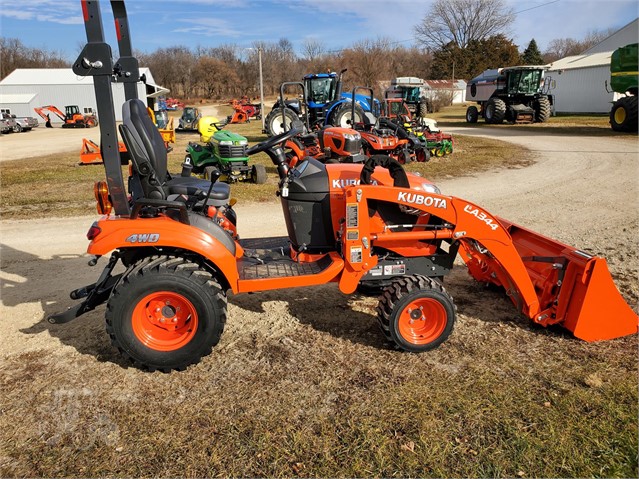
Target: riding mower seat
pixel 149 157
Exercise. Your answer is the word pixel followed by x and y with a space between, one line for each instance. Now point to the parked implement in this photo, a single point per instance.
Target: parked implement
pixel 72 118
pixel 347 224
pixel 514 94
pixel 244 110
pixel 624 79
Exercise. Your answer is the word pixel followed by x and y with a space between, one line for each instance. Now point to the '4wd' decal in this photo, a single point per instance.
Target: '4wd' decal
pixel 143 238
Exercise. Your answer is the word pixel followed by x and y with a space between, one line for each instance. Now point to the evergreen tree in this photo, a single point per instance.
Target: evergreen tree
pixel 532 55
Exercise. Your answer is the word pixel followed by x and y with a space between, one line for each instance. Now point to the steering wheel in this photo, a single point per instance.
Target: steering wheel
pixel 395 169
pixel 274 140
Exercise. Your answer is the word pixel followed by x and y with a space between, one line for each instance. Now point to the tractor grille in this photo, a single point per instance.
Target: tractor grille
pixel 233 151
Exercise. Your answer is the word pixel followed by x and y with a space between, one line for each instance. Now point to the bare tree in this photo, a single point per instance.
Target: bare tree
pixel 312 49
pixel 462 21
pixel 14 54
pixel 565 47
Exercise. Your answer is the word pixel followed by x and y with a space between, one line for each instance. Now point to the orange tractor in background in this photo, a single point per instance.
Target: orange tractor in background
pixel 72 118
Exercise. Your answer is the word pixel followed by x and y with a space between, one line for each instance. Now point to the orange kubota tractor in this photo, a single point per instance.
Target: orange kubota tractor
pixel 72 118
pixel 350 224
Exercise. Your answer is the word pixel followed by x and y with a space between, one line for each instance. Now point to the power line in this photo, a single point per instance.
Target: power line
pixel 537 6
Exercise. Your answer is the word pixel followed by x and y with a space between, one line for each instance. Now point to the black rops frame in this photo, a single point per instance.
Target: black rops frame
pixel 96 61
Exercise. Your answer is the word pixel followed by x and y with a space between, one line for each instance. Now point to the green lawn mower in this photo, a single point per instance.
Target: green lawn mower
pixel 224 152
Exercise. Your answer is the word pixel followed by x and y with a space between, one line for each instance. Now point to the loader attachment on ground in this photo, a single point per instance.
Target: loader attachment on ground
pixel 575 289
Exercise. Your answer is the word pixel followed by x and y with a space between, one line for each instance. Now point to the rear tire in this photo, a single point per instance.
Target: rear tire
pixel 495 111
pixel 623 115
pixel 416 313
pixel 472 114
pixel 166 313
pixel 274 124
pixel 258 174
pixel 542 110
pixel 342 115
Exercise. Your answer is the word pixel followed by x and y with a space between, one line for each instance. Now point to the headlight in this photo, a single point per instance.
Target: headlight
pixel 352 136
pixel 242 142
pixel 226 142
pixel 431 188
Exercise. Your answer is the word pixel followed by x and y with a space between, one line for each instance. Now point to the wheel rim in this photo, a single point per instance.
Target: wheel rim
pixel 620 115
pixel 164 321
pixel 422 321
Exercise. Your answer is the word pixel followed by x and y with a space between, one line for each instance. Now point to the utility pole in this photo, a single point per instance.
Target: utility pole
pixel 259 59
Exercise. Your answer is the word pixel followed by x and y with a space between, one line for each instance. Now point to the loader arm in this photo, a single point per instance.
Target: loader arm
pixel 549 282
pixel 42 111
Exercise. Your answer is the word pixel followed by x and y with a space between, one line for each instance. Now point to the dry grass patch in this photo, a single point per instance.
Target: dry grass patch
pixel 56 185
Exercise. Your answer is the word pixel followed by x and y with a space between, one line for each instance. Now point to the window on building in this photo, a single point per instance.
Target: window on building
pixel 5 110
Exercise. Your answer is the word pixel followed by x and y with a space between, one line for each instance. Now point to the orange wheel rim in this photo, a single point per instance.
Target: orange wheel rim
pixel 164 321
pixel 422 321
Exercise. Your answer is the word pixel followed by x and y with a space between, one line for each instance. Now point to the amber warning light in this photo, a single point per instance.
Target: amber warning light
pixel 101 192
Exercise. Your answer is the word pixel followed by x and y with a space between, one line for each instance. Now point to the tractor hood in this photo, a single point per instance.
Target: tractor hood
pixel 224 136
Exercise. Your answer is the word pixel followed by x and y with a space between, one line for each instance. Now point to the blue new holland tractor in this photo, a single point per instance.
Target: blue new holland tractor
pixel 325 102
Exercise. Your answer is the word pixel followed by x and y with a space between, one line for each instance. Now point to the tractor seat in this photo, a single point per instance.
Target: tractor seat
pixel 149 157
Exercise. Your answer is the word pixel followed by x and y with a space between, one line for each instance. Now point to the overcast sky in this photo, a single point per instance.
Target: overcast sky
pixel 57 24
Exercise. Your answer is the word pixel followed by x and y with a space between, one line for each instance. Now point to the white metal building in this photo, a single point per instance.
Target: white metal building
pixel 27 88
pixel 580 80
pixel 19 104
pixel 457 89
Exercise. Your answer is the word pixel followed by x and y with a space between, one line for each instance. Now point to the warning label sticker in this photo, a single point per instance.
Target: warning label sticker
pixel 352 218
pixel 394 269
pixel 356 254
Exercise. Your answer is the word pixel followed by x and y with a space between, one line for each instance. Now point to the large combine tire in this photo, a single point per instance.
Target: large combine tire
pixel 276 125
pixel 423 108
pixel 542 110
pixel 166 313
pixel 623 116
pixel 416 313
pixel 472 114
pixel 342 115
pixel 495 111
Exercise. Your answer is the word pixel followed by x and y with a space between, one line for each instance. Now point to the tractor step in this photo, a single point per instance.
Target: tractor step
pixel 267 263
pixel 271 258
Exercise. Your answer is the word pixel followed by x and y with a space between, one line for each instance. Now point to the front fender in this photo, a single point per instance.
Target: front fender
pixel 163 232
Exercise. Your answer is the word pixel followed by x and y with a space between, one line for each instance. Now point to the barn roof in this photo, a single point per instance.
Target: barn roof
pixel 53 76
pixel 582 61
pixel 16 98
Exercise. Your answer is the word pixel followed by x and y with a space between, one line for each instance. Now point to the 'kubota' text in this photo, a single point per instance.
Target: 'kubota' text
pixel 418 199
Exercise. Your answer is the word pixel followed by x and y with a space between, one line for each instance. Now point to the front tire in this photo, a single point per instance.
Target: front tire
pixel 258 174
pixel 495 111
pixel 542 110
pixel 416 313
pixel 166 313
pixel 623 115
pixel 472 114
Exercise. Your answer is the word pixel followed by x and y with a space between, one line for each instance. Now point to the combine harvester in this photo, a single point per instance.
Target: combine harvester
pixel 359 226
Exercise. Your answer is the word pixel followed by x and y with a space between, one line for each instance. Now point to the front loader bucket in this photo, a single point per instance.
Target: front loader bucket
pixel 595 309
pixel 574 289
